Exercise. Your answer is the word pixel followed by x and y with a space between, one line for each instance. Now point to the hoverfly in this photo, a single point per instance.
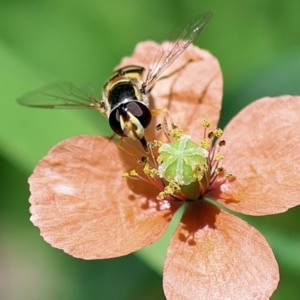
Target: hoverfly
pixel 125 95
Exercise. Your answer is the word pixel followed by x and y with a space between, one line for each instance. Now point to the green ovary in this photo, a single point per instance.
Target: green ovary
pixel 180 162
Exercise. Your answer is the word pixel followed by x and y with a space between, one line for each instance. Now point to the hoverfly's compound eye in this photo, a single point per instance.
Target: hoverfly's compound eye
pixel 138 109
pixel 141 112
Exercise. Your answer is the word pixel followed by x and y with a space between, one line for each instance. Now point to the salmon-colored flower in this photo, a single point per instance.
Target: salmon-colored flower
pixel 83 205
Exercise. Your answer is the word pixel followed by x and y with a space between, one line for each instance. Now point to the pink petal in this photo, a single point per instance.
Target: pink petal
pixel 215 255
pixel 262 151
pixel 82 205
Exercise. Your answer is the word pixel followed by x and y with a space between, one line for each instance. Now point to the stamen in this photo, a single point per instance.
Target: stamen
pixel 200 170
pixel 174 186
pixel 150 145
pixel 218 157
pixel 219 170
pixel 162 195
pixel 222 143
pixel 143 160
pixel 154 144
pixel 205 144
pixel 205 123
pixel 210 135
pixel 229 176
pixel 215 164
pixel 218 132
pixel 176 133
pixel 160 159
pixel 152 172
pixel 157 143
pixel 133 173
pixel 170 189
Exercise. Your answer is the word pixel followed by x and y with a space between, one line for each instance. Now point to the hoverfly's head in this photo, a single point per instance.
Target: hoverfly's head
pixel 130 119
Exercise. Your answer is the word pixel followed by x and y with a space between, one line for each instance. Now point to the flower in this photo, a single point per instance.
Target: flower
pixel 83 205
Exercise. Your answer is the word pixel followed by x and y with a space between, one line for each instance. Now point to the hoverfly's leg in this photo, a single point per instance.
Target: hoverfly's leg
pixel 168 123
pixel 113 136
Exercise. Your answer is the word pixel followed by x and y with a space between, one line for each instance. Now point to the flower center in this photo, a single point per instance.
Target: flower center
pixel 184 162
pixel 181 168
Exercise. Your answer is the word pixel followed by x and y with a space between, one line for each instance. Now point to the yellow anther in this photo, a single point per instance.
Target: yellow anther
pixel 133 173
pixel 199 171
pixel 174 186
pixel 159 159
pixel 219 170
pixel 176 133
pixel 162 195
pixel 205 144
pixel 157 143
pixel 147 169
pixel 218 157
pixel 205 123
pixel 150 171
pixel 153 173
pixel 150 145
pixel 218 132
pixel 168 190
pixel 229 176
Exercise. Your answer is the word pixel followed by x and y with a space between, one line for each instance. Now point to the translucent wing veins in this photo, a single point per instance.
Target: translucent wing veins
pixel 175 44
pixel 59 95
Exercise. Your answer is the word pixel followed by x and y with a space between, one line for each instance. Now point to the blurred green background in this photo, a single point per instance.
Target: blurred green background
pixel 258 45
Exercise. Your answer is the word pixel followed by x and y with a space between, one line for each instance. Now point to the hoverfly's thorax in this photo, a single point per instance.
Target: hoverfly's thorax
pixel 123 85
pixel 122 92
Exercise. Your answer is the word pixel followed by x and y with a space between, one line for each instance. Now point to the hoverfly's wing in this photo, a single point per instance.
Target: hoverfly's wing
pixel 175 44
pixel 59 95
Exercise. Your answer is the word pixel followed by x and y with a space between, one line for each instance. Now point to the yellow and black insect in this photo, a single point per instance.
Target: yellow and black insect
pixel 125 95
